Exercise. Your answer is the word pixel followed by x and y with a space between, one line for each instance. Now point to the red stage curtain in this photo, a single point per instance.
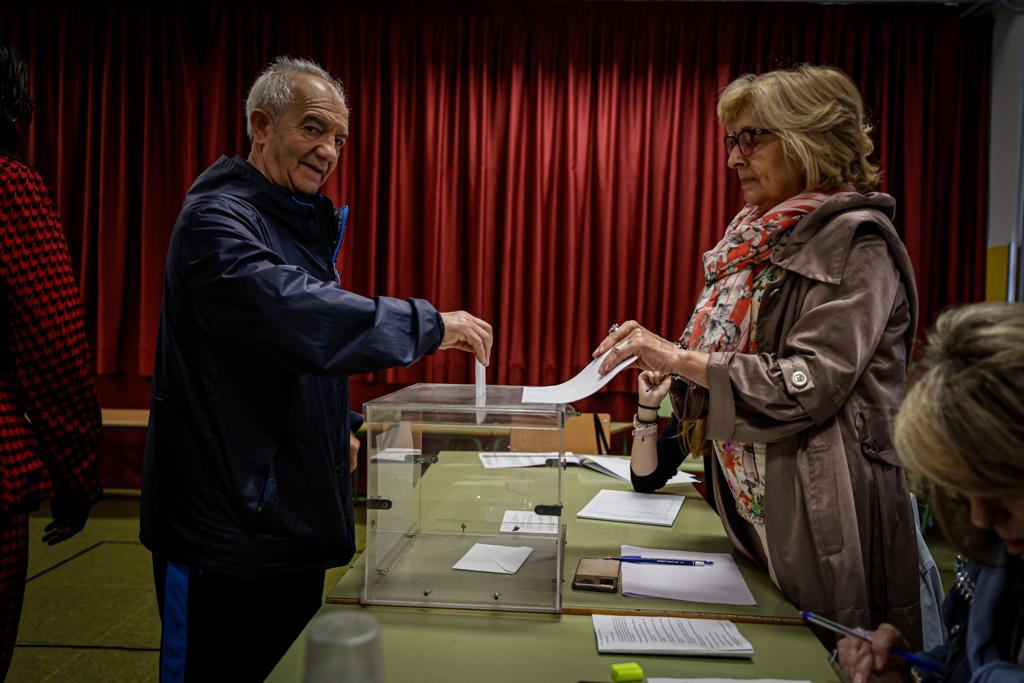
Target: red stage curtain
pixel 552 167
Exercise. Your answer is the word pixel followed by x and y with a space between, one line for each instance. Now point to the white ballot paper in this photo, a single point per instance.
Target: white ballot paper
pixel 481 384
pixel 628 506
pixel 580 386
pixel 720 582
pixel 529 522
pixel 723 680
pixel 496 559
pixel 670 636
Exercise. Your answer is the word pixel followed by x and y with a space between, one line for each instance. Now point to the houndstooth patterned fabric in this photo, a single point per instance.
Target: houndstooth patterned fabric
pixel 13 566
pixel 49 414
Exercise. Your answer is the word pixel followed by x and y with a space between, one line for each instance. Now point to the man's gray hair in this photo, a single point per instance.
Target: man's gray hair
pixel 272 90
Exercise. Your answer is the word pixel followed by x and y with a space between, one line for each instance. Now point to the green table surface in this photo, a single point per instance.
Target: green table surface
pixel 432 645
pixel 697 528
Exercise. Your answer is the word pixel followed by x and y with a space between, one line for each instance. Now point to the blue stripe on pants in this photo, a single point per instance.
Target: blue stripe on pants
pixel 175 629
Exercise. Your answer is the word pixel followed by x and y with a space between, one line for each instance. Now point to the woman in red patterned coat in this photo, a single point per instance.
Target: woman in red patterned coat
pixel 49 415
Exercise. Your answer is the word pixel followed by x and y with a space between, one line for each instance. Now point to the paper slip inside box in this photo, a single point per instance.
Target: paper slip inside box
pixel 719 582
pixel 670 636
pixel 628 506
pixel 495 559
pixel 529 522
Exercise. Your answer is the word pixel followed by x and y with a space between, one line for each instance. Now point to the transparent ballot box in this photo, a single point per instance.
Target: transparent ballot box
pixel 464 502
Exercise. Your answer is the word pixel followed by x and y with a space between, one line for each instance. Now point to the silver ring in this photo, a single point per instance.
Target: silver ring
pixel 614 327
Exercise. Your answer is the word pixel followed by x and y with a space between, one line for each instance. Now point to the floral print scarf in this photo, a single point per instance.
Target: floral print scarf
pixel 721 320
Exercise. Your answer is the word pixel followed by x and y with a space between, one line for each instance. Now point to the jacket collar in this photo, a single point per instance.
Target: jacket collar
pixel 276 199
pixel 818 246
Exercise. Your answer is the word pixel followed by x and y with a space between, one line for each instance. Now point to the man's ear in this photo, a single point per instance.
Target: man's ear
pixel 261 124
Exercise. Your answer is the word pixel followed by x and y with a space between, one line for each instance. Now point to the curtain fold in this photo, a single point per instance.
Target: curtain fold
pixel 551 167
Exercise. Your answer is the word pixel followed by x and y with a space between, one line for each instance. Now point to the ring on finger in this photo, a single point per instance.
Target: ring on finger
pixel 614 327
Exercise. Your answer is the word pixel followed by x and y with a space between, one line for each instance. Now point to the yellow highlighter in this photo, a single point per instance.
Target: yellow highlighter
pixel 629 671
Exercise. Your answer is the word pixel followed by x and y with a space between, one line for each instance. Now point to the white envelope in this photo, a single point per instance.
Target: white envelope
pixel 495 559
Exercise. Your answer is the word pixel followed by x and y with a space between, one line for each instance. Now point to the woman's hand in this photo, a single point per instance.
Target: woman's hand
pixel 653 353
pixel 652 388
pixel 870 662
pixel 632 339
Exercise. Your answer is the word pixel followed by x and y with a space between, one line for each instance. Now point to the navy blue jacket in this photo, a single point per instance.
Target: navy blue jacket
pixel 246 465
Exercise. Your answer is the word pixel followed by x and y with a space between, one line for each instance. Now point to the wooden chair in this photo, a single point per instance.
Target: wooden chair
pixel 587 433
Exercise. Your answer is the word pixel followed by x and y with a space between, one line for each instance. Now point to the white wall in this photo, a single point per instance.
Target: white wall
pixel 1006 124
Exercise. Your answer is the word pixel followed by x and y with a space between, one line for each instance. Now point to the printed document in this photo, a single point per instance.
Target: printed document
pixel 613 466
pixel 720 582
pixel 628 506
pixel 670 636
pixel 529 522
pixel 579 387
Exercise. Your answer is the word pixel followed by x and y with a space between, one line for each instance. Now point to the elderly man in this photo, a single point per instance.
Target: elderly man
pixel 247 496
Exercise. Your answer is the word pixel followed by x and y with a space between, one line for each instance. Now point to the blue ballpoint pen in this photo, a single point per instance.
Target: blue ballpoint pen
pixel 835 627
pixel 637 559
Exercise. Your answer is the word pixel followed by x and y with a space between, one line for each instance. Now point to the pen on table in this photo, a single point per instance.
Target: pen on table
pixel 835 627
pixel 637 559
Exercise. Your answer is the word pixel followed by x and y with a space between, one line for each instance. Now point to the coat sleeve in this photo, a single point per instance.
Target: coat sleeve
pixel 244 293
pixel 670 456
pixel 766 397
pixel 46 333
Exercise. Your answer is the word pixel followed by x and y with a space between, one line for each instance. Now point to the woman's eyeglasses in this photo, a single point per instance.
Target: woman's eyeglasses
pixel 745 139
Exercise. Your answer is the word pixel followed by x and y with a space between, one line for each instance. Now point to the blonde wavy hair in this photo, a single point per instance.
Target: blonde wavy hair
pixel 960 429
pixel 818 113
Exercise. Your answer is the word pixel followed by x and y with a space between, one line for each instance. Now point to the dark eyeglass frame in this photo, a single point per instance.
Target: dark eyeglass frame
pixel 745 139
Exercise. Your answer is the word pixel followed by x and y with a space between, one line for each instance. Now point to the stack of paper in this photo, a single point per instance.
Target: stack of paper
pixel 618 467
pixel 670 636
pixel 493 460
pixel 719 582
pixel 613 466
pixel 627 506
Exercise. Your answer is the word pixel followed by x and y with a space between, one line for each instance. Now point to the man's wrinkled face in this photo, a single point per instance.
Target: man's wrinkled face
pixel 300 149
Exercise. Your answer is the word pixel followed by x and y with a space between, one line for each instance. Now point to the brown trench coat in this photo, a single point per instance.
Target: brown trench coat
pixel 835 336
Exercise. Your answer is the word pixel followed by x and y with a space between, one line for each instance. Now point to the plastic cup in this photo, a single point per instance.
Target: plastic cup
pixel 343 646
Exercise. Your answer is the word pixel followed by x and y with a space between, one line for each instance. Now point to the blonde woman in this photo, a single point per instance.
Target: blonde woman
pixel 793 361
pixel 961 429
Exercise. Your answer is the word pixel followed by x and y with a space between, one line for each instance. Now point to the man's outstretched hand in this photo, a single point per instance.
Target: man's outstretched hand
pixel 467 333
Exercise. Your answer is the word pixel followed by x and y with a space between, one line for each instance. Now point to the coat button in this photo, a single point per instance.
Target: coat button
pixel 799 379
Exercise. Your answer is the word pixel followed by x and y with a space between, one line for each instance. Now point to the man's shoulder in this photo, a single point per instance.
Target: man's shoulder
pixel 223 207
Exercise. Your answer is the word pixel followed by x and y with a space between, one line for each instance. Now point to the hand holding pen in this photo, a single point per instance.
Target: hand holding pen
pixel 878 656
